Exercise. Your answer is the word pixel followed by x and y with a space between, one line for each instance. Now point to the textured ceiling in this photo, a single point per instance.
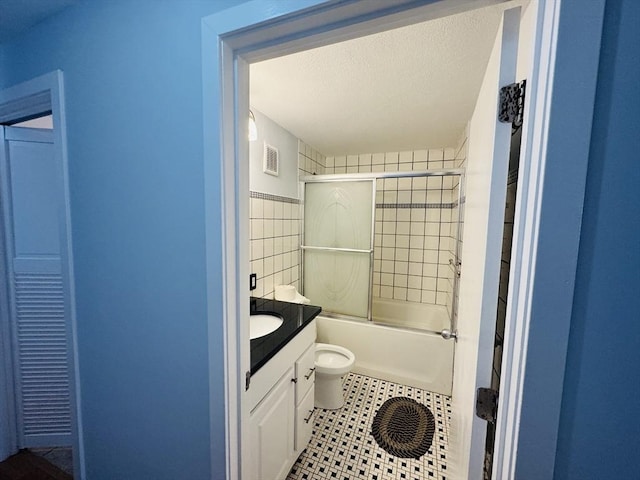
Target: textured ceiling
pixel 403 89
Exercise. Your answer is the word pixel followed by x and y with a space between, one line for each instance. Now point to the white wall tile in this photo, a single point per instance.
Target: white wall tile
pixel 364 160
pixel 403 228
pixel 414 295
pixel 401 267
pixel 436 154
pixel 377 159
pixel 428 296
pixel 420 156
pixel 416 255
pixel 429 283
pixel 404 196
pixel 415 269
pixel 386 292
pixel 386 279
pixel 449 154
pixel 420 165
pixel 391 158
pixel 387 266
pixel 402 254
pixel 268 247
pixel 414 282
pixel 404 215
pixel 402 241
pixel 418 214
pixel 399 293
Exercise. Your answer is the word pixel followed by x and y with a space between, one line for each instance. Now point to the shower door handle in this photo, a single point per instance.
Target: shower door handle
pixel 336 249
pixel 447 334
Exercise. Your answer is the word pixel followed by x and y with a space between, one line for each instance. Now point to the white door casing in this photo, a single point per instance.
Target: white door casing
pixel 485 191
pixel 262 29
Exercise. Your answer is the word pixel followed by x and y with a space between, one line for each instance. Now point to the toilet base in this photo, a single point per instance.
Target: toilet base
pixel 328 392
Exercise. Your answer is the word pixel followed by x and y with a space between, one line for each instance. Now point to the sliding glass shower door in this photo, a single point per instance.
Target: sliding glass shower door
pixel 338 245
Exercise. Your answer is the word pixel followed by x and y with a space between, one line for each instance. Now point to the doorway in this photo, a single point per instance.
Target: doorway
pixel 266 41
pixel 402 203
pixel 38 321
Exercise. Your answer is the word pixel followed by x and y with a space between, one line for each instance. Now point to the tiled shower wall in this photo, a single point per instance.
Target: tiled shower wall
pixel 310 161
pixel 413 227
pixel 274 242
pixel 275 231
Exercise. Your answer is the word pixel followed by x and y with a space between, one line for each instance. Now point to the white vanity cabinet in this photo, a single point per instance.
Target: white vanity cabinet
pixel 281 397
pixel 305 381
pixel 272 431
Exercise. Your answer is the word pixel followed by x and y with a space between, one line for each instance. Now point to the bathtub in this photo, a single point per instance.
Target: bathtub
pixel 418 359
pixel 434 318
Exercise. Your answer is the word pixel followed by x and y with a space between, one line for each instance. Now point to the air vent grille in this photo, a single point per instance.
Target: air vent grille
pixel 271 160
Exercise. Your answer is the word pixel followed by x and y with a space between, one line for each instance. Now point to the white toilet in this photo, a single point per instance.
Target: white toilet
pixel 332 363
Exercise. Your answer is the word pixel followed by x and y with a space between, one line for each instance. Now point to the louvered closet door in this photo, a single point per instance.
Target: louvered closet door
pixel 31 186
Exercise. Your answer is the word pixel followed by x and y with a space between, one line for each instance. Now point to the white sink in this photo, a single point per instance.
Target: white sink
pixel 263 324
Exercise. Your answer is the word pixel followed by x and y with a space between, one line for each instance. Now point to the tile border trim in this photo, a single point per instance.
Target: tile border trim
pixel 274 198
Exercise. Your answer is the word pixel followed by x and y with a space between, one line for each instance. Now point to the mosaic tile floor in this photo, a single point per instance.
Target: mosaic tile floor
pixel 343 448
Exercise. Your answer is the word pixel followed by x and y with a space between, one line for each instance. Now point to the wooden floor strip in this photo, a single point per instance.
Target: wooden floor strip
pixel 24 465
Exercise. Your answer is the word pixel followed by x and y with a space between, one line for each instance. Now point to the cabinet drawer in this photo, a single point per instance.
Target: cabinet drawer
pixel 304 421
pixel 305 372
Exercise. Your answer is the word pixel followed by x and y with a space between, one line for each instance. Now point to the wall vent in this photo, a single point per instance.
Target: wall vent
pixel 271 160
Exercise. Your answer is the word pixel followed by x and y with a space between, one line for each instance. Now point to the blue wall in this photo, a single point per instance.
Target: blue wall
pixel 599 425
pixel 134 116
pixel 134 112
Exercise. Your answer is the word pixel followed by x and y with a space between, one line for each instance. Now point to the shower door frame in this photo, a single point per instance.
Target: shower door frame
pixel 303 246
pixel 374 177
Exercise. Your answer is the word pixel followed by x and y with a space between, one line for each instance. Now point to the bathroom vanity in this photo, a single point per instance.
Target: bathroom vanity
pixel 281 389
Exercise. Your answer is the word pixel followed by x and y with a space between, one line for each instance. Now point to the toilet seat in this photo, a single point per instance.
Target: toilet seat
pixel 333 359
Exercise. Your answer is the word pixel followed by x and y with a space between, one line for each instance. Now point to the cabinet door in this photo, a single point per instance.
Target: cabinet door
pixel 305 372
pixel 304 421
pixel 272 432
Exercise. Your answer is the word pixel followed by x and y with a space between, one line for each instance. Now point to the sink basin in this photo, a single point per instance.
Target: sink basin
pixel 263 324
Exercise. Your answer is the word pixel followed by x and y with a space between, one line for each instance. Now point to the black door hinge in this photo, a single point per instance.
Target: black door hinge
pixel 247 380
pixel 512 103
pixel 487 404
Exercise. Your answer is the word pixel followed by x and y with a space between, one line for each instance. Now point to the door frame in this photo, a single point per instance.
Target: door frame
pixel 258 30
pixel 27 100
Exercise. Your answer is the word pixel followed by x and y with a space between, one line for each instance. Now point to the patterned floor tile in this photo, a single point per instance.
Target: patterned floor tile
pixel 343 448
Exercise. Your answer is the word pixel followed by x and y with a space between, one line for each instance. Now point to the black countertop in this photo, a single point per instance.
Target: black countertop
pixel 295 317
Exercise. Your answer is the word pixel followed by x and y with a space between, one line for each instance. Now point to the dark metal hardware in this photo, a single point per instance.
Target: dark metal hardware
pixel 247 380
pixel 487 404
pixel 294 380
pixel 306 420
pixel 457 266
pixel 512 103
pixel 310 373
pixel 253 281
